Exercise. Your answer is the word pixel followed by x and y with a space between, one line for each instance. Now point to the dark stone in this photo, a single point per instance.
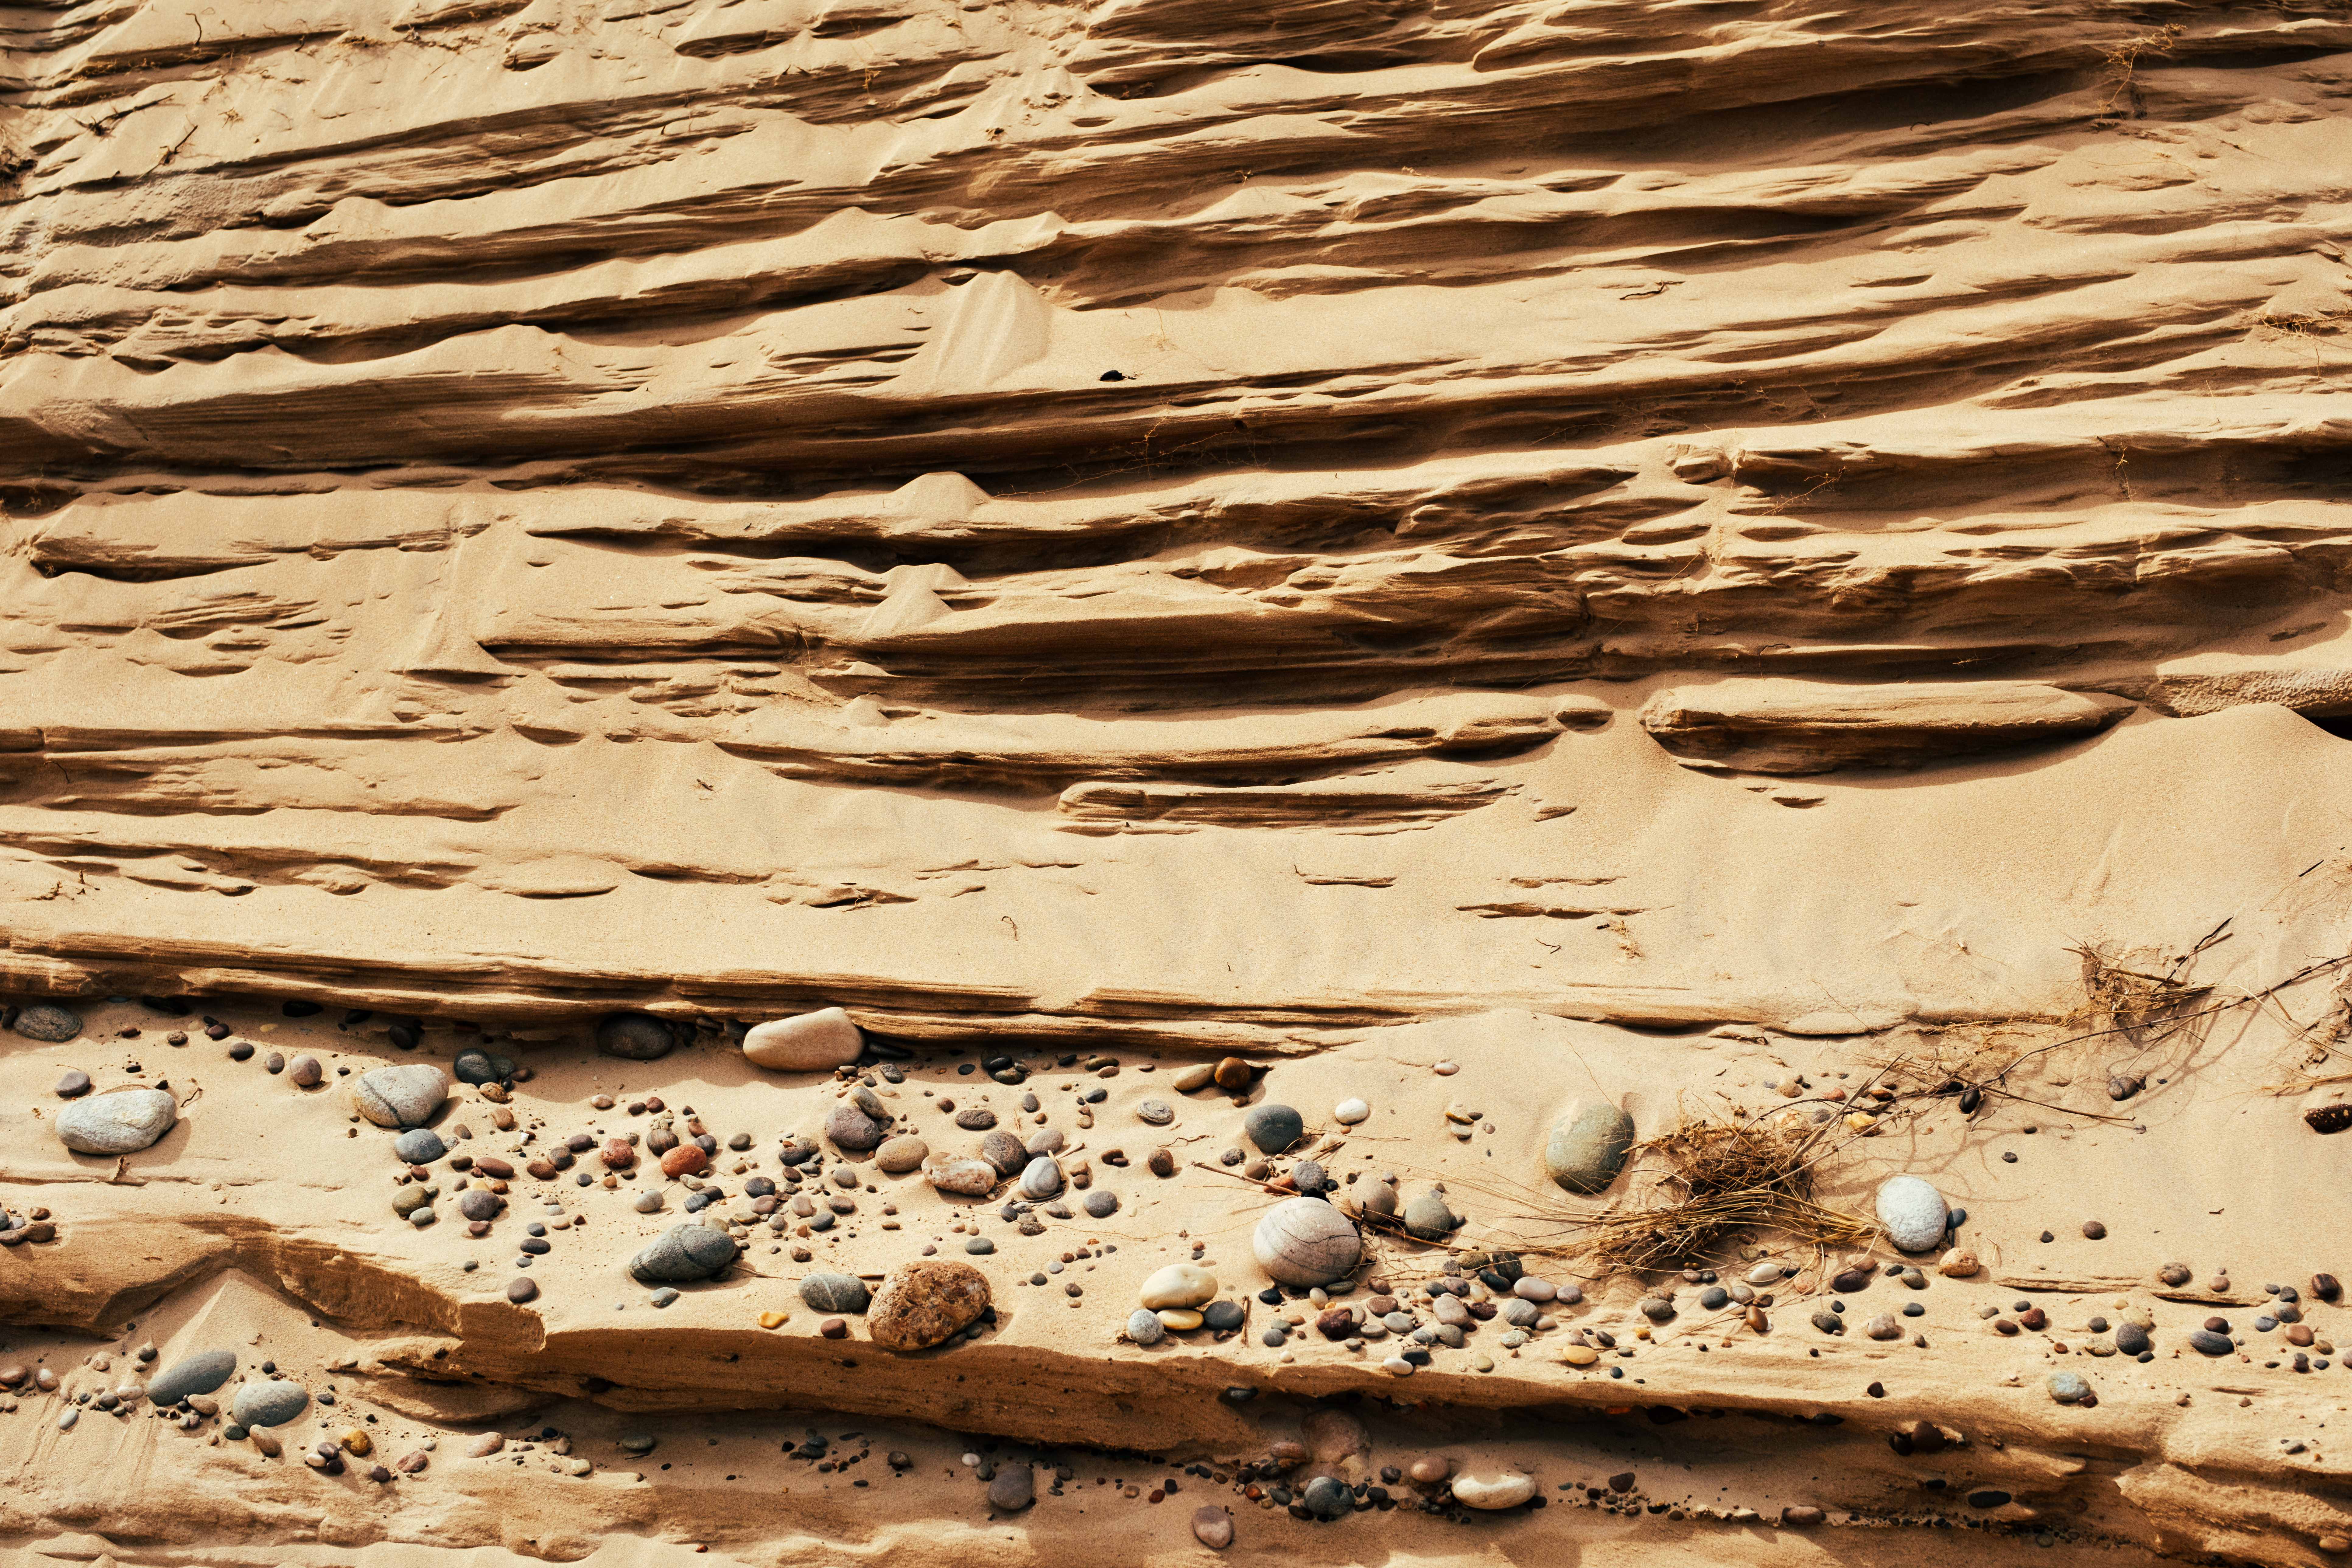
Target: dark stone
pixel 301 1009
pixel 683 1253
pixel 2206 1342
pixel 75 1082
pixel 1014 1488
pixel 637 1036
pixel 1223 1315
pixel 851 1129
pixel 43 1021
pixel 1100 1203
pixel 2131 1339
pixel 476 1204
pixel 199 1373
pixel 976 1119
pixel 522 1290
pixel 1274 1128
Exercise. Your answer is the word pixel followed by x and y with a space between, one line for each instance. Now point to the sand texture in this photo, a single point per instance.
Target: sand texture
pixel 1470 568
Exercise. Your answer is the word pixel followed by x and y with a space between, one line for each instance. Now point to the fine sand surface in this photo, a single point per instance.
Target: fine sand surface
pixel 1784 573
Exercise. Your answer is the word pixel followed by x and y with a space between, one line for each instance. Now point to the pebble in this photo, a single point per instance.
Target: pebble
pixel 633 1037
pixel 73 1084
pixel 1194 1077
pixel 663 1298
pixel 1144 1327
pixel 195 1374
pixel 900 1154
pixel 268 1404
pixel 1213 1527
pixel 683 1253
pixel 2175 1274
pixel 1503 1491
pixel 1178 1285
pixel 304 1072
pixel 1042 1179
pixel 419 1146
pixel 1014 1488
pixel 1328 1498
pixel 2093 1230
pixel 123 1121
pixel 1348 1112
pixel 1587 1146
pixel 980 1246
pixel 1274 1128
pixel 522 1290
pixel 1445 1070
pixel 1913 1212
pixel 1100 1203
pixel 476 1067
pixel 44 1021
pixel 2206 1341
pixel 1045 1140
pixel 1883 1327
pixel 1223 1315
pixel 2066 1387
pixel 966 1178
pixel 404 1096
pixel 1520 1314
pixel 1232 1073
pixel 1801 1516
pixel 1157 1112
pixel 976 1119
pixel 2132 1339
pixel 686 1160
pixel 851 1129
pixel 1530 1288
pixel 1305 1241
pixel 807 1042
pixel 1428 1217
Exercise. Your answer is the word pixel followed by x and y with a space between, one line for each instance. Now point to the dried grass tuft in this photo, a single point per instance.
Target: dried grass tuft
pixel 1721 1179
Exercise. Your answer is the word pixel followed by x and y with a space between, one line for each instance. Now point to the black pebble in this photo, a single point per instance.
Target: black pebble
pixel 241 1051
pixel 2009 1158
pixel 1112 376
pixel 301 1009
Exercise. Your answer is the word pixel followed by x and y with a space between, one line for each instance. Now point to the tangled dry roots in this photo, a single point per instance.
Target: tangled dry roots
pixel 1719 1179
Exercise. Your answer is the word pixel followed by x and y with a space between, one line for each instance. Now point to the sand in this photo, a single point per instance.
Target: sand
pixel 1644 557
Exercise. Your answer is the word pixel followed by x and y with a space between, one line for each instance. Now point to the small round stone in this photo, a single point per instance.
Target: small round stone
pixel 1157 1112
pixel 927 1303
pixel 2093 1230
pixel 2066 1387
pixel 474 1067
pixel 1428 1217
pixel 1213 1527
pixel 2206 1341
pixel 1177 1285
pixel 1144 1327
pixel 73 1084
pixel 1100 1203
pixel 1274 1128
pixel 980 1246
pixel 809 1042
pixel 1587 1146
pixel 835 1293
pixel 1348 1112
pixel 1042 1179
pixel 1223 1315
pixel 633 1037
pixel 519 1291
pixel 900 1154
pixel 197 1374
pixel 1913 1212
pixel 965 1178
pixel 975 1118
pixel 684 1253
pixel 851 1129
pixel 404 1096
pixel 419 1146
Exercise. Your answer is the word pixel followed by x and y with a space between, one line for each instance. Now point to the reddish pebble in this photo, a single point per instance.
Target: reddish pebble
pixel 652 1102
pixel 477 1228
pixel 686 1160
pixel 603 1102
pixel 1446 1070
pixel 833 1329
pixel 617 1155
pixel 493 1167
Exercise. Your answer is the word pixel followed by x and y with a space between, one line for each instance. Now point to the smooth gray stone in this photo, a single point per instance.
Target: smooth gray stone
pixel 268 1403
pixel 1428 1217
pixel 1328 1498
pixel 400 1096
pixel 475 1066
pixel 1100 1203
pixel 683 1253
pixel 1157 1112
pixel 1588 1147
pixel 835 1293
pixel 476 1204
pixel 199 1373
pixel 120 1123
pixel 1014 1488
pixel 635 1036
pixel 1274 1128
pixel 1042 1179
pixel 419 1146
pixel 1144 1327
pixel 1222 1315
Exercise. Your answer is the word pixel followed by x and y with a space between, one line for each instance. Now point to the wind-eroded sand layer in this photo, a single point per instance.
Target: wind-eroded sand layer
pixel 1776 571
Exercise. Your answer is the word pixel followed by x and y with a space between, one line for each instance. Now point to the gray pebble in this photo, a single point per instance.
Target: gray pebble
pixel 199 1373
pixel 1043 1178
pixel 1274 1128
pixel 1222 1315
pixel 73 1084
pixel 975 1118
pixel 1014 1488
pixel 476 1204
pixel 647 1203
pixel 2131 1339
pixel 271 1404
pixel 1144 1327
pixel 2206 1341
pixel 837 1292
pixel 1157 1112
pixel 684 1252
pixel 305 1072
pixel 1100 1203
pixel 851 1129
pixel 663 1297
pixel 1428 1217
pixel 633 1037
pixel 419 1146
pixel 979 1245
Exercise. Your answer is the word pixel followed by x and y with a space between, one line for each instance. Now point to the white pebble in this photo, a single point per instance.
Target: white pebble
pixel 971 1462
pixel 1350 1112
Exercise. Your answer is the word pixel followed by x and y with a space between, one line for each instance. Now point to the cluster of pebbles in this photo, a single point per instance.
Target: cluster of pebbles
pixel 1310 1242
